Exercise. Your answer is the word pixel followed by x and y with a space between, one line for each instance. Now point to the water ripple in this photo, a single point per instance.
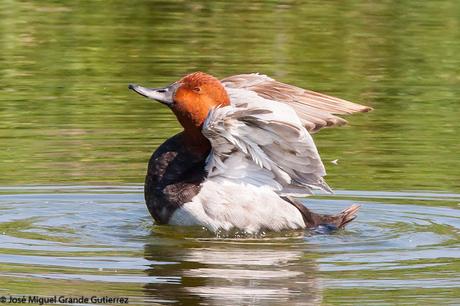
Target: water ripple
pixel 97 236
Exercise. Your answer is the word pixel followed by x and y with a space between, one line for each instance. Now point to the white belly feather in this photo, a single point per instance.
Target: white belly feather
pixel 223 204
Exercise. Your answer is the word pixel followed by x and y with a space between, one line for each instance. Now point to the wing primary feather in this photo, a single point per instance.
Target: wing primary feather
pixel 315 110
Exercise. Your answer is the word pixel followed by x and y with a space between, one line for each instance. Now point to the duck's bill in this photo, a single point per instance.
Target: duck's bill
pixel 163 95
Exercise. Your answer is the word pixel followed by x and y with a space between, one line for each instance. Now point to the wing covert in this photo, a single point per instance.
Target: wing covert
pixel 269 142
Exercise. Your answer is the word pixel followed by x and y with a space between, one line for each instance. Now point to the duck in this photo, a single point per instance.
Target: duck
pixel 245 154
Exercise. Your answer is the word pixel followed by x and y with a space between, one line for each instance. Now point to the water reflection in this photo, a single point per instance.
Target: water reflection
pixel 229 272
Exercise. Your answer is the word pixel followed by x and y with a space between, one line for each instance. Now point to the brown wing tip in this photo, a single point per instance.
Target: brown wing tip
pixel 366 109
pixel 357 108
pixel 314 127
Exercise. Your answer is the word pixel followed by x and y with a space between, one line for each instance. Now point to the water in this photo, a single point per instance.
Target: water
pixel 99 240
pixel 74 144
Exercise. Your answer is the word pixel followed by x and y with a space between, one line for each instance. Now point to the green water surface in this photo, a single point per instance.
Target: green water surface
pixel 66 115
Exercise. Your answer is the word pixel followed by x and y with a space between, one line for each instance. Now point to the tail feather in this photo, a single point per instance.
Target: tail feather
pixel 347 215
pixel 313 220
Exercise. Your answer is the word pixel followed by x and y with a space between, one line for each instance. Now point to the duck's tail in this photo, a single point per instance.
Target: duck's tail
pixel 346 216
pixel 314 220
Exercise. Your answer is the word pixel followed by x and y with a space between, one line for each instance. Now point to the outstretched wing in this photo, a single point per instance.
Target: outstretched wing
pixel 263 143
pixel 315 110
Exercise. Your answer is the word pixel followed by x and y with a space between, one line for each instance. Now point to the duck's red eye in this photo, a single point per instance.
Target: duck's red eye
pixel 196 89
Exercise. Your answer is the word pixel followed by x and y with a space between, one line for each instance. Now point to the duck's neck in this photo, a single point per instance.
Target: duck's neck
pixel 196 143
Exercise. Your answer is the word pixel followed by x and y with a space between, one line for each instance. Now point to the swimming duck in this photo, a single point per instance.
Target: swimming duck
pixel 244 153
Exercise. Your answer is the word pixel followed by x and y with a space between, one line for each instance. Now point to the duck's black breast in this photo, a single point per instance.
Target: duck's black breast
pixel 174 177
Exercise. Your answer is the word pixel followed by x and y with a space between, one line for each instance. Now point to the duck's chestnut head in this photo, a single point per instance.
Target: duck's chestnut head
pixel 191 98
